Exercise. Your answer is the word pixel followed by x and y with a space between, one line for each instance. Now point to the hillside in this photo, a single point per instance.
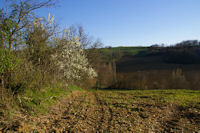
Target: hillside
pixel 131 59
pixel 173 67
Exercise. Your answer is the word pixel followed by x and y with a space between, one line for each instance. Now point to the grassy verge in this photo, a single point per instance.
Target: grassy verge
pixel 38 101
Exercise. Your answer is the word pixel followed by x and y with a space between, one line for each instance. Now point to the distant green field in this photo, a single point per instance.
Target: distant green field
pixel 118 53
pixel 131 51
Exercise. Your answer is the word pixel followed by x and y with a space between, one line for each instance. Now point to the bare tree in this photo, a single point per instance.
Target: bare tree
pixel 15 17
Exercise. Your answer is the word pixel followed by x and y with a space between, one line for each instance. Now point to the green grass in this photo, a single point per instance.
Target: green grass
pixel 130 50
pixel 38 101
pixel 183 98
pixel 123 51
pixel 75 88
pixel 180 97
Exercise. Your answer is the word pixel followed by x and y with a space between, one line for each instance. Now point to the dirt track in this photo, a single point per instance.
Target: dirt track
pixel 101 111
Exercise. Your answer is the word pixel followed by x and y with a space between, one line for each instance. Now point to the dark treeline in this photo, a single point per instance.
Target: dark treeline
pixel 186 52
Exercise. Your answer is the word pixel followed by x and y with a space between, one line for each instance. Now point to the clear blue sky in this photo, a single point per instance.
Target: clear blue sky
pixel 131 22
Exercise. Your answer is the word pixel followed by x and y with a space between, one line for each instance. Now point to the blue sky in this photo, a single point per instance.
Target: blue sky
pixel 131 22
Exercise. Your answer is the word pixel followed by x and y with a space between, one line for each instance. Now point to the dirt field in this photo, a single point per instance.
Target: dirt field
pixel 113 111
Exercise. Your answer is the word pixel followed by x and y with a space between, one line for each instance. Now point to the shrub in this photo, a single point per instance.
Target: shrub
pixel 71 59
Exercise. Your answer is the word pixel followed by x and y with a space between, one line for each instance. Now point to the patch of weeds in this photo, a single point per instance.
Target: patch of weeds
pixel 35 131
pixel 75 88
pixel 106 131
pixel 38 101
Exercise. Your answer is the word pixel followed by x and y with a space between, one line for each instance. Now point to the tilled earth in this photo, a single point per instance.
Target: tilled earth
pixel 105 111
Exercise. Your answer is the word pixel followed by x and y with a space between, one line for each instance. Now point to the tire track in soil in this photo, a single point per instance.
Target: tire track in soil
pixel 74 111
pixel 107 114
pixel 91 115
pixel 88 116
pixel 110 119
pixel 81 115
pixel 104 122
pixel 99 102
pixel 57 123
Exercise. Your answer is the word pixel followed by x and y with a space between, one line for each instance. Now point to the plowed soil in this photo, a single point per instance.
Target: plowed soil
pixel 106 111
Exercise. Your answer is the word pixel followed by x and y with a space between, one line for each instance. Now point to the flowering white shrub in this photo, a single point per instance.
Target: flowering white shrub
pixel 39 22
pixel 71 59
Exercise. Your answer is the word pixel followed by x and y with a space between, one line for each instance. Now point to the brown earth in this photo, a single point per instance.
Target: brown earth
pixel 102 111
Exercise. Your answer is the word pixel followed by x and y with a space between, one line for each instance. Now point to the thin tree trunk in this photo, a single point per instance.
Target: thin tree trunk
pixel 10 44
pixel 2 88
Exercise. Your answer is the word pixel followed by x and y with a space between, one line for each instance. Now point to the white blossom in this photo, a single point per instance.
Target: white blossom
pixel 71 59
